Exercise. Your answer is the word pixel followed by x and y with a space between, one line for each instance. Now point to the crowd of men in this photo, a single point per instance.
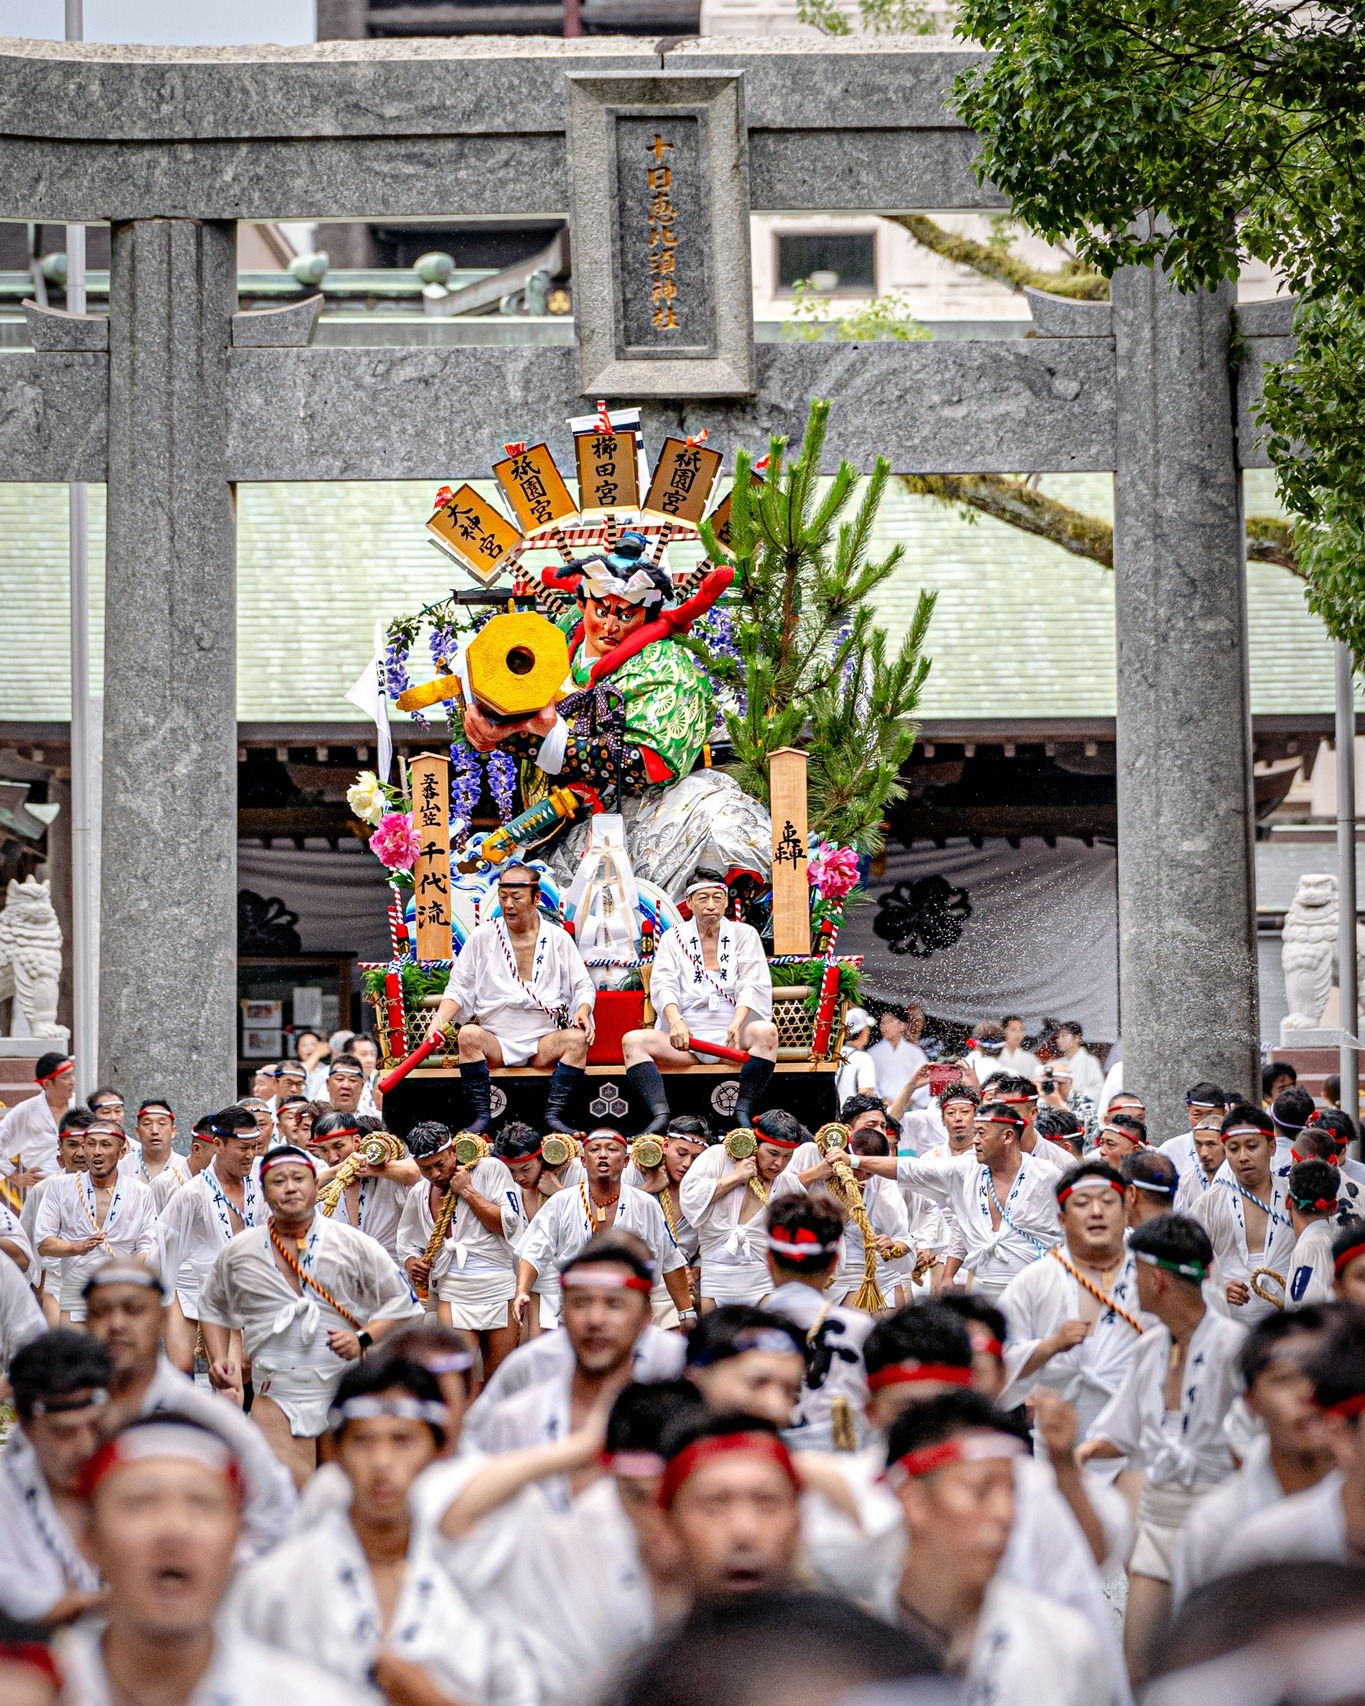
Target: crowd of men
pixel 1029 1411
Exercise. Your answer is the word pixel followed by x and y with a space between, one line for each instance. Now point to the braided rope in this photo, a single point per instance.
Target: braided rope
pixel 1096 1292
pixel 292 1261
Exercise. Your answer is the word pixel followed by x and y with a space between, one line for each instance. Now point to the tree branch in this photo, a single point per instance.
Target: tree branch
pixel 1270 538
pixel 1075 279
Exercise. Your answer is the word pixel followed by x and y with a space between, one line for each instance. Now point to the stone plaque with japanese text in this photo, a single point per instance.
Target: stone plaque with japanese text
pixel 662 291
pixel 662 277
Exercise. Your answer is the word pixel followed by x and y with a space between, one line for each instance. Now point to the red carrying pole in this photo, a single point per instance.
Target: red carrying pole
pixel 824 1012
pixel 406 1065
pixel 722 1051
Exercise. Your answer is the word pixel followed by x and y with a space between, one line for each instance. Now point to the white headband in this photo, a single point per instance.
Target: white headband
pixel 600 582
pixel 706 883
pixel 404 1409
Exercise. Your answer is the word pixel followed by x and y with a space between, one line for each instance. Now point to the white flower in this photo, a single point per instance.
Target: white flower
pixel 366 798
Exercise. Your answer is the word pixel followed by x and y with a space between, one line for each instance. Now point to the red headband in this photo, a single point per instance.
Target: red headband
pixel 341 1131
pixel 161 1439
pixel 1346 1257
pixel 1014 1099
pixel 604 1131
pixel 280 1157
pixel 1089 1179
pixel 966 1448
pixel 595 1277
pixel 992 1346
pixel 910 1373
pixel 702 1451
pixel 36 1655
pixel 47 1077
pixel 1347 1408
pixel 985 1118
pixel 777 1142
pixel 799 1245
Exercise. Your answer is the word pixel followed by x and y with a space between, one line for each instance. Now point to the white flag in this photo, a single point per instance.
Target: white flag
pixel 368 694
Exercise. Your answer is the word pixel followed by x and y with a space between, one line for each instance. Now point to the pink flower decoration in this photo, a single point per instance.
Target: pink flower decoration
pixel 395 842
pixel 834 872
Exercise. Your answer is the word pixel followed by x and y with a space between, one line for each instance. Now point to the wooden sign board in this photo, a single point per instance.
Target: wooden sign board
pixel 720 515
pixel 608 470
pixel 535 488
pixel 791 886
pixel 682 482
pixel 429 777
pixel 473 532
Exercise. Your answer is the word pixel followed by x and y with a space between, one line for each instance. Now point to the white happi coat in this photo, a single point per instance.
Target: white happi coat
pixel 285 1331
pixel 470 1248
pixel 1030 1651
pixel 1221 1212
pixel 565 1224
pixel 886 1213
pixel 195 1225
pixel 28 1137
pixel 42 1561
pixel 707 999
pixel 684 1234
pixel 1035 1303
pixel 269 1496
pixel 132 1166
pixel 658 1355
pixel 734 1265
pixel 20 1317
pixel 314 1596
pixel 1214 1520
pixel 834 1362
pixel 14 1231
pixel 242 1672
pixel 487 987
pixel 1310 1524
pixel 1188 1447
pixel 1311 1273
pixel 1047 1553
pixel 1028 1224
pixel 381 1206
pixel 68 1211
pixel 579 1592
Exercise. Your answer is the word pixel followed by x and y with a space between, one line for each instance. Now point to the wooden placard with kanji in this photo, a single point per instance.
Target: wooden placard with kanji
pixel 682 481
pixel 472 531
pixel 719 517
pixel 535 488
pixel 608 470
pixel 429 776
pixel 791 887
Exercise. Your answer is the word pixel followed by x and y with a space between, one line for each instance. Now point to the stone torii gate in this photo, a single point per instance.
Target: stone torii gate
pixel 175 397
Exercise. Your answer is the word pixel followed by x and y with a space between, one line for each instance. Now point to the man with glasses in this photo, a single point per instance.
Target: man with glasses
pixel 524 998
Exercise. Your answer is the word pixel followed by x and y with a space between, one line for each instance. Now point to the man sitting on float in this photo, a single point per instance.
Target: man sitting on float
pixel 527 1000
pixel 710 981
pixel 635 723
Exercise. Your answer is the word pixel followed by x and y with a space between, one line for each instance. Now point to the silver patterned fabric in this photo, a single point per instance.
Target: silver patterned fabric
pixel 706 819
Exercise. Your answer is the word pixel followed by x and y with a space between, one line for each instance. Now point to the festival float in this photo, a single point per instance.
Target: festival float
pixel 614 775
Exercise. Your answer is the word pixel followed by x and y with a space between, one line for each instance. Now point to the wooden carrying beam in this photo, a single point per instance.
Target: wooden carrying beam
pixel 791 887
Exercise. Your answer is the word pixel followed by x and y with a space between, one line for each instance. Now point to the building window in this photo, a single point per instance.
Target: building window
pixel 841 263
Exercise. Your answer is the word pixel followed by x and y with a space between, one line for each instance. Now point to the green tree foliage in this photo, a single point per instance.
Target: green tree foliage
pixel 810 666
pixel 1197 135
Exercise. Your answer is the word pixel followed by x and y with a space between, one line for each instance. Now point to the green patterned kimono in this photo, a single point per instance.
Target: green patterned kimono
pixel 668 702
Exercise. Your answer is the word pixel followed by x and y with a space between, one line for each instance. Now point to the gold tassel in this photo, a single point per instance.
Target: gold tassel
pixel 842 1430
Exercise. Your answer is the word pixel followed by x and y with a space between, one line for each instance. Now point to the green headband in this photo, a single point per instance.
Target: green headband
pixel 1186 1270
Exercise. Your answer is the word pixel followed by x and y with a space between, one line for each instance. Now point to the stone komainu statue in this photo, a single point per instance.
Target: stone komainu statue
pixel 1308 951
pixel 31 955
